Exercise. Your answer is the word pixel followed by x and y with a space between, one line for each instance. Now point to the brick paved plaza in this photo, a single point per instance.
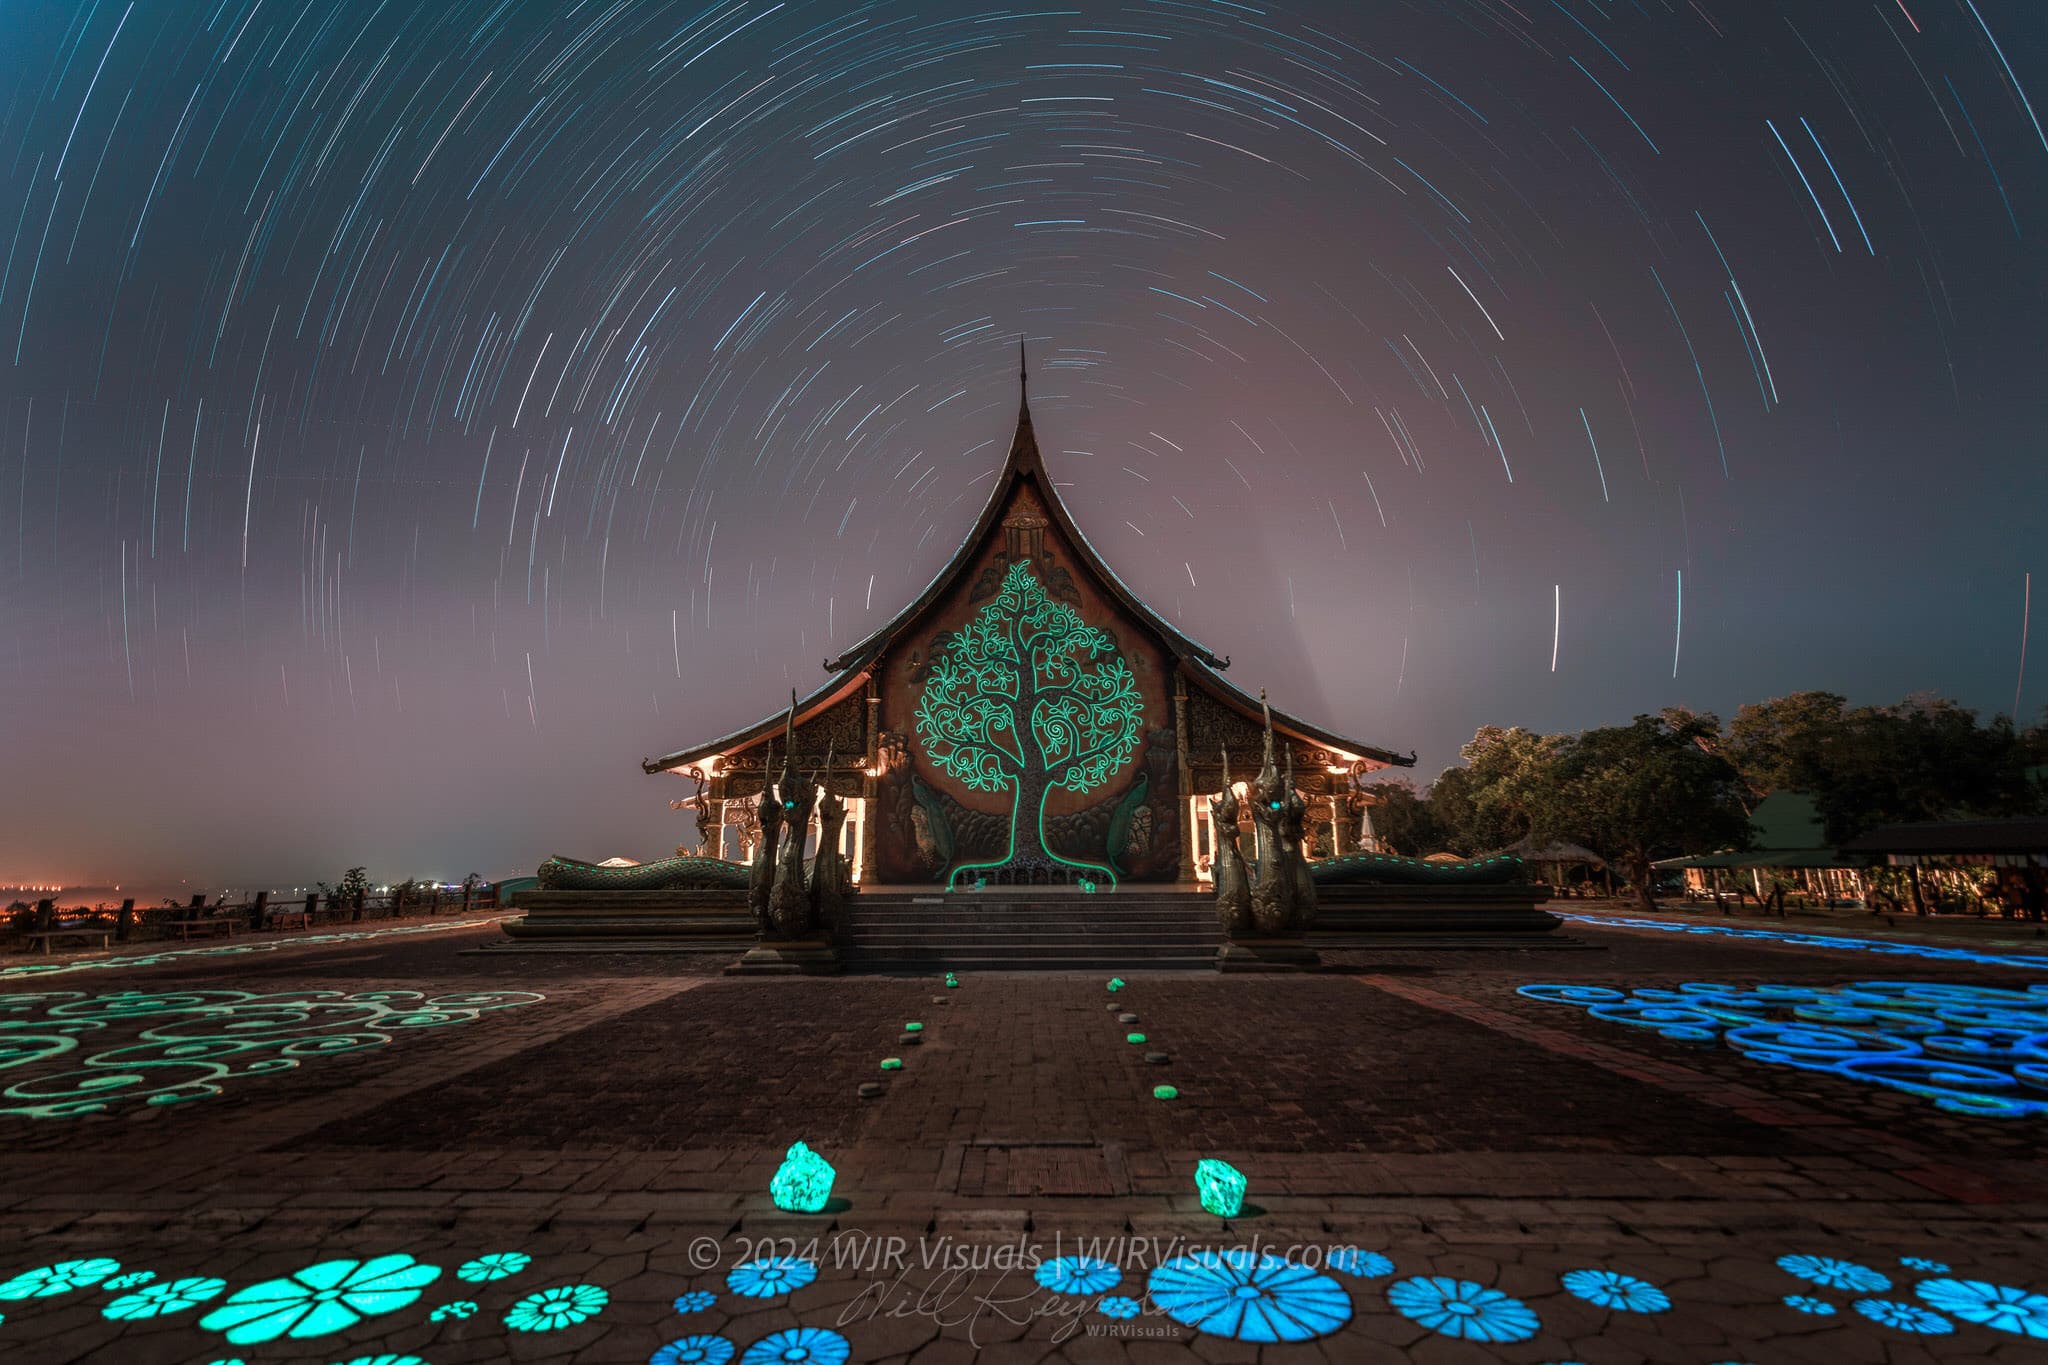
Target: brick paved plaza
pixel 385 1146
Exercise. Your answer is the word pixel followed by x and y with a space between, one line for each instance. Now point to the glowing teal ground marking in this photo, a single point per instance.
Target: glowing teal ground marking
pixel 123 962
pixel 551 1310
pixel 61 1278
pixel 197 1040
pixel 328 1297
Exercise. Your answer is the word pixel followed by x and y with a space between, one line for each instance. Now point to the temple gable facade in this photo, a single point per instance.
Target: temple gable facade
pixel 1027 720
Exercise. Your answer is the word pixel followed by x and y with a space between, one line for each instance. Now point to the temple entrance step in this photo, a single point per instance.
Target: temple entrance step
pixel 1027 929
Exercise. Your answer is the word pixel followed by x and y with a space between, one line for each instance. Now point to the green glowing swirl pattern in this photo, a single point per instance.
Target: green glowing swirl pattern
pixel 191 1042
pixel 1027 663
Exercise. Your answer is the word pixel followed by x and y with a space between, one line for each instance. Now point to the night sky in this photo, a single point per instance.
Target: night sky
pixel 414 414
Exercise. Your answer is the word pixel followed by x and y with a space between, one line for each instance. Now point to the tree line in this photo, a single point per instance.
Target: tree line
pixel 1681 782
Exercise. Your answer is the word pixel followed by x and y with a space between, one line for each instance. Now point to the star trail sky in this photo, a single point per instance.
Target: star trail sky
pixel 413 414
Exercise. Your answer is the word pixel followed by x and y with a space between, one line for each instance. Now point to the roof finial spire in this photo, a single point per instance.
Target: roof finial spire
pixel 1023 372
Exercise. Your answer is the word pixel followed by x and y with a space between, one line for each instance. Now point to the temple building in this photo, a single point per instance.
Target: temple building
pixel 1028 720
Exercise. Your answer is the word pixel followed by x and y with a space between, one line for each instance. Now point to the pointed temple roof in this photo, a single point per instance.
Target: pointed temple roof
pixel 1025 466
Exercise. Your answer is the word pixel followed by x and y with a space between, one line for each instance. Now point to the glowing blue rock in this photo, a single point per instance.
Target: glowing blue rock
pixel 803 1183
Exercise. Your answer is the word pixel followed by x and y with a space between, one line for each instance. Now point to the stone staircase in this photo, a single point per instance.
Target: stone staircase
pixel 1043 929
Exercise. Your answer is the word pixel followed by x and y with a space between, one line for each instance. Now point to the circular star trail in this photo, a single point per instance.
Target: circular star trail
pixel 413 414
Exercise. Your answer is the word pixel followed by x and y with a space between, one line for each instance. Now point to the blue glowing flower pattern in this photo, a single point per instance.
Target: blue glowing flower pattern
pixel 1622 1293
pixel 1998 1306
pixel 496 1266
pixel 384 1359
pixel 1460 1308
pixel 456 1311
pixel 320 1299
pixel 163 1298
pixel 696 1301
pixel 1832 1273
pixel 61 1278
pixel 770 1276
pixel 1117 1306
pixel 134 1279
pixel 1921 1263
pixel 799 1346
pixel 1365 1265
pixel 697 1350
pixel 551 1310
pixel 1077 1275
pixel 1249 1297
pixel 1973 1050
pixel 1907 1317
pixel 1806 1303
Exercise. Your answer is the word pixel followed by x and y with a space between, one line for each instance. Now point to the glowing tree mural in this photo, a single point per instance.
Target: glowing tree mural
pixel 1031 699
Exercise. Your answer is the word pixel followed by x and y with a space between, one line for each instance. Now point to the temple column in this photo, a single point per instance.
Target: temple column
pixel 1187 777
pixel 870 784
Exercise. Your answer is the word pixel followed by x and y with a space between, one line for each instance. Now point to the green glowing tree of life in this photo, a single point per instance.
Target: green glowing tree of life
pixel 1029 699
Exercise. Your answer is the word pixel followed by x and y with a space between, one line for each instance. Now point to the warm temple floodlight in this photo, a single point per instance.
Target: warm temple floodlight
pixel 1164 1092
pixel 892 1063
pixel 803 1183
pixel 1221 1186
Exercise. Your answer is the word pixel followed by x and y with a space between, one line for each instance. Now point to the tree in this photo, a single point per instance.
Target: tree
pixel 1030 699
pixel 1782 744
pixel 355 884
pixel 1636 791
pixel 1403 817
pixel 1490 802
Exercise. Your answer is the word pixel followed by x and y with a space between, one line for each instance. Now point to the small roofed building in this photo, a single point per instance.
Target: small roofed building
pixel 2013 851
pixel 1028 719
pixel 1788 842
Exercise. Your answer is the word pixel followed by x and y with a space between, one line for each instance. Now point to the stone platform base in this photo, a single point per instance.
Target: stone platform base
pixel 1266 955
pixel 795 957
pixel 629 921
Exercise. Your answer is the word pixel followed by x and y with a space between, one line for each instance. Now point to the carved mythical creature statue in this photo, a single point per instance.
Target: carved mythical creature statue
pixel 1273 893
pixel 1293 858
pixel 1233 886
pixel 831 878
pixel 768 821
pixel 789 901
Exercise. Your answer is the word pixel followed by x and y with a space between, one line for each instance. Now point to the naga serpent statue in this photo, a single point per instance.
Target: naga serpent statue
pixel 664 874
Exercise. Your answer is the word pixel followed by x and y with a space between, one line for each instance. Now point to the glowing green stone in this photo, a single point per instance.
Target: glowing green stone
pixel 1116 983
pixel 892 1063
pixel 1164 1092
pixel 803 1183
pixel 1134 1037
pixel 1221 1186
pixel 952 982
pixel 913 1027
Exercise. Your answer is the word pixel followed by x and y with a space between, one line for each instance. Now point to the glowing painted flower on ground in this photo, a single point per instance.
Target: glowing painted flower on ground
pixel 321 1299
pixel 461 1308
pixel 1117 1306
pixel 160 1300
pixel 1907 1317
pixel 553 1309
pixel 1251 1298
pixel 696 1301
pixel 134 1279
pixel 1366 1265
pixel 1611 1289
pixel 1820 1308
pixel 1989 1305
pixel 61 1278
pixel 1922 1263
pixel 386 1359
pixel 697 1350
pixel 1835 1274
pixel 1077 1275
pixel 496 1266
pixel 799 1346
pixel 1460 1308
pixel 770 1276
